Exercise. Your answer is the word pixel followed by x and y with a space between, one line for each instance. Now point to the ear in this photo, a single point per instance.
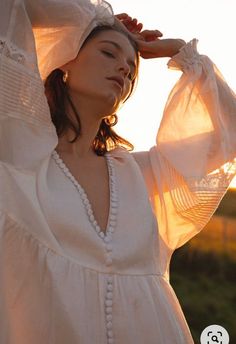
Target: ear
pixel 66 67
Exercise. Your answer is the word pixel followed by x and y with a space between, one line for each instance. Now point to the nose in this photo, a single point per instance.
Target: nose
pixel 124 68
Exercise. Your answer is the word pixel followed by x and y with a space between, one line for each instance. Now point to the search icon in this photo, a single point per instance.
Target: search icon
pixel 214 334
pixel 214 339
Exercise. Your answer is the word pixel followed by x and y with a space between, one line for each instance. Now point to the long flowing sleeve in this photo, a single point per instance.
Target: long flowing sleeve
pixel 193 162
pixel 35 38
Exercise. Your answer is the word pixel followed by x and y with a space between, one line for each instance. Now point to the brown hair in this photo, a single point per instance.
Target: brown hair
pixel 57 95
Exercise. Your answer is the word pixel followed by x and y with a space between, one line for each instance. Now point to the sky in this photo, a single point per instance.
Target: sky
pixel 212 22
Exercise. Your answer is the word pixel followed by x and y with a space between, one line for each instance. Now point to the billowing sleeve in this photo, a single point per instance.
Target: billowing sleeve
pixel 193 161
pixel 35 38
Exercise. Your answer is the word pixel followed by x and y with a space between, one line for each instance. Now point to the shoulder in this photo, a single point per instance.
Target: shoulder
pixel 137 162
pixel 142 159
pixel 139 158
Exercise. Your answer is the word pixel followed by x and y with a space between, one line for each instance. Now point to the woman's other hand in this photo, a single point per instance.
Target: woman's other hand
pixel 159 47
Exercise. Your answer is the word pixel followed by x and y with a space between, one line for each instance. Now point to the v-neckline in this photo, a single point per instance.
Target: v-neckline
pixel 111 220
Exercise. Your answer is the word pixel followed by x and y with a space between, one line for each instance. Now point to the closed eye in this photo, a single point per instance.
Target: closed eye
pixel 108 54
pixel 131 76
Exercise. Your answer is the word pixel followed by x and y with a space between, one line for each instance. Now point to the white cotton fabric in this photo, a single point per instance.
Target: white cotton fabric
pixel 53 271
pixel 59 37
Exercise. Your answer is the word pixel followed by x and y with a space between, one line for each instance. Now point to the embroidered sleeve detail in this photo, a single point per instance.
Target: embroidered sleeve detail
pixel 12 52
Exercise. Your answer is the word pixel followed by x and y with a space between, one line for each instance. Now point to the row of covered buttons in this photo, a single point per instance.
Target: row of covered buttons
pixel 108 247
pixel 113 212
pixel 108 309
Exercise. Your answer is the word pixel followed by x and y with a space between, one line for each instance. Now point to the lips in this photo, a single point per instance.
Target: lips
pixel 118 79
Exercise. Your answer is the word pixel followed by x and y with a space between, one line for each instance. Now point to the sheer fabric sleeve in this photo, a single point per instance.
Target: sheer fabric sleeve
pixel 35 38
pixel 193 162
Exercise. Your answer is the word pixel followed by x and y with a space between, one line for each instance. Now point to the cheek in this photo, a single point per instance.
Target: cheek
pixel 126 91
pixel 82 79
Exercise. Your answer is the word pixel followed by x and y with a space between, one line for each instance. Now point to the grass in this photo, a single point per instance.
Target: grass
pixel 205 283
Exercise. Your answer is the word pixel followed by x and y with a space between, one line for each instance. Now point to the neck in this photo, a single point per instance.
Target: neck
pixel 90 120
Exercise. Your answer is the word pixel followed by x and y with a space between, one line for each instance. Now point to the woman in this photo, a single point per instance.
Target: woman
pixel 87 228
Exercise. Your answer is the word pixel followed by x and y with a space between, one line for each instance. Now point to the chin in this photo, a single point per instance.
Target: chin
pixel 111 103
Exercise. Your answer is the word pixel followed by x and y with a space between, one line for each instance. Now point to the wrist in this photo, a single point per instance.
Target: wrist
pixel 177 45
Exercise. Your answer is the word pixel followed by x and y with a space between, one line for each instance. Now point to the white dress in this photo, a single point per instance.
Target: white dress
pixel 61 279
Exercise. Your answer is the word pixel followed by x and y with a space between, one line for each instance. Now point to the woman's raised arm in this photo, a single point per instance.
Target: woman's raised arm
pixel 35 38
pixel 194 160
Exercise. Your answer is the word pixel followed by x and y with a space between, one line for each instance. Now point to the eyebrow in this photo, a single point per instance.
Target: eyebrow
pixel 117 46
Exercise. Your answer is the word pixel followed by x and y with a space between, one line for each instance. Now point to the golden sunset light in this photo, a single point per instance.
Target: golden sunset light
pixel 140 117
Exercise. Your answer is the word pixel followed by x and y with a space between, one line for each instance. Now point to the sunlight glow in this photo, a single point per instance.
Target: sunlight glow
pixel 212 22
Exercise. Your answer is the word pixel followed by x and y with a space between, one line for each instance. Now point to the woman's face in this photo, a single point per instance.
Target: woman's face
pixel 104 70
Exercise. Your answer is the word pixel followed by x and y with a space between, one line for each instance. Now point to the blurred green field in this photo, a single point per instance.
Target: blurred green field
pixel 203 273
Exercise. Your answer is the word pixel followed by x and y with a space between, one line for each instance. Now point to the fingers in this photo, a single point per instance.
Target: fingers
pixel 130 23
pixel 133 25
pixel 122 16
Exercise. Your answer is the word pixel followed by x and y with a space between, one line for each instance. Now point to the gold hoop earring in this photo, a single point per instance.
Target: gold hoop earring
pixel 111 120
pixel 65 76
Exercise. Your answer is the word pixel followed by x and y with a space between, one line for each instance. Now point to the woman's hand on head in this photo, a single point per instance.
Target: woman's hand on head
pixel 134 28
pixel 151 46
pixel 149 43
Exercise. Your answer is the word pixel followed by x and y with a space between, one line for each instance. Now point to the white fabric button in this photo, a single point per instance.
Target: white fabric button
pixel 109 317
pixel 109 325
pixel 107 239
pixel 108 310
pixel 101 234
pixel 97 228
pixel 109 295
pixel 67 173
pixel 110 287
pixel 83 196
pixel 113 211
pixel 90 211
pixel 110 334
pixel 109 279
pixel 108 247
pixel 91 217
pixel 108 303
